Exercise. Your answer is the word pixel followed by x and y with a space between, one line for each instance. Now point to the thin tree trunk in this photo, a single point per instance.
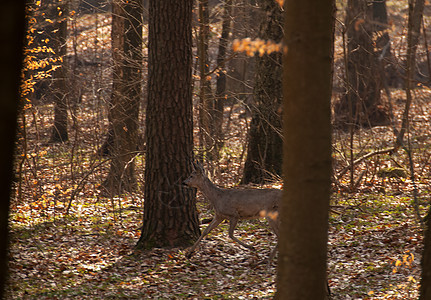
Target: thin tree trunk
pixel 242 68
pixel 220 93
pixel 416 9
pixel 170 215
pixel 206 107
pixel 59 132
pixel 307 150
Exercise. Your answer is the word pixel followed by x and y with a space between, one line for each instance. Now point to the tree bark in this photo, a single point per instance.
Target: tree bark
pixel 170 216
pixel 264 152
pixel 126 95
pixel 11 38
pixel 307 150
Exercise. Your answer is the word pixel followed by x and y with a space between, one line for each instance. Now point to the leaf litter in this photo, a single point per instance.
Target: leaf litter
pixel 374 243
pixel 373 253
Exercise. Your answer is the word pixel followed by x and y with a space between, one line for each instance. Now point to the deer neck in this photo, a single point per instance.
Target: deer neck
pixel 210 190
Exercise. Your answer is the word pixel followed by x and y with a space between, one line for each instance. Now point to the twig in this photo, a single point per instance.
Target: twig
pixel 81 182
pixel 221 64
pixel 415 188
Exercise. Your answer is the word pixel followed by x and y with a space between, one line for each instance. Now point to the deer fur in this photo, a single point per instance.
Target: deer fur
pixel 235 205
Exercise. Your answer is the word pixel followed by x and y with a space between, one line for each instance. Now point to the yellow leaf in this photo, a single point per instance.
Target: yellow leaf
pixel 235 45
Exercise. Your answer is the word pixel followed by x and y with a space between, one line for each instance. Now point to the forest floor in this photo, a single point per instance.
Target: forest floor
pixel 374 252
pixel 374 248
pixel 69 242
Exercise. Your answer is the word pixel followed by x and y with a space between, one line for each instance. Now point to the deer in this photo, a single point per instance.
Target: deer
pixel 234 205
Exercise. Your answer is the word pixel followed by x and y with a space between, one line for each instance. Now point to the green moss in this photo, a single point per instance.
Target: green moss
pixel 392 173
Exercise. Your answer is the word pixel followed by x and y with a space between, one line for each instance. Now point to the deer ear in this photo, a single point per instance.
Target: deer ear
pixel 196 167
pixel 193 166
pixel 199 167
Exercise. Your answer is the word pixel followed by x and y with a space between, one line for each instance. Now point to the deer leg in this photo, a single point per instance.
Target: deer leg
pixel 214 223
pixel 272 255
pixel 232 225
pixel 273 223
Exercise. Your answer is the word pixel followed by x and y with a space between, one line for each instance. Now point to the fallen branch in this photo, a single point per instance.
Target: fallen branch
pixel 364 157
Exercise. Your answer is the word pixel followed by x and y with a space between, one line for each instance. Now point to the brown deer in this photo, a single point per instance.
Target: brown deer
pixel 235 205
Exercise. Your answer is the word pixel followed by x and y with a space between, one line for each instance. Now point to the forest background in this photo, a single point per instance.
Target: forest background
pixel 75 221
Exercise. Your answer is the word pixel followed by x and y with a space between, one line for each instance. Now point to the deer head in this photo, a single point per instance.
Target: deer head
pixel 196 177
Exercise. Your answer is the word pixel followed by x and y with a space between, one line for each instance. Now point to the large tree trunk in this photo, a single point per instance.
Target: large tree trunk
pixel 264 153
pixel 11 38
pixel 126 94
pixel 362 104
pixel 307 150
pixel 170 216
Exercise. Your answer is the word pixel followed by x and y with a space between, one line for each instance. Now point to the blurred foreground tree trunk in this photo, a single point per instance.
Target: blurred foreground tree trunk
pixel 307 150
pixel 170 215
pixel 11 38
pixel 264 152
pixel 59 12
pixel 362 104
pixel 126 95
pixel 416 9
pixel 425 289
